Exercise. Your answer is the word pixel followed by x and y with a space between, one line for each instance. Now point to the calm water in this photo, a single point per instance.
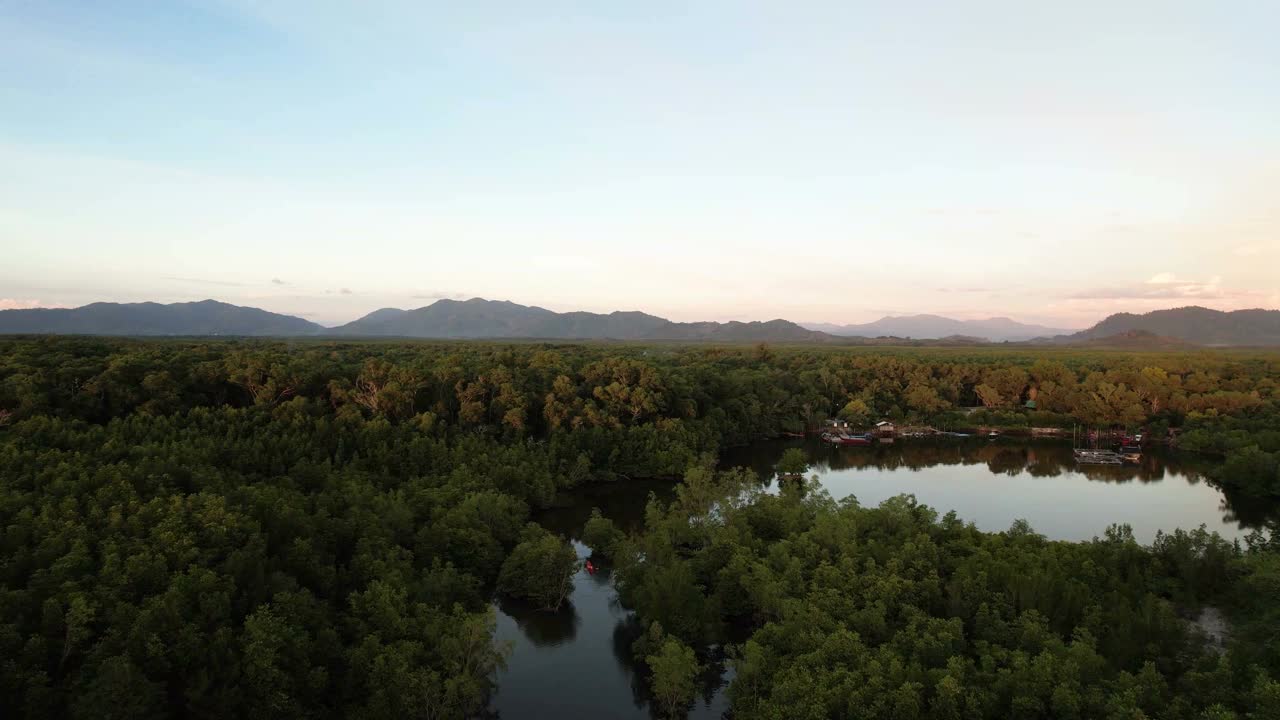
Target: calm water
pixel 577 663
pixel 993 483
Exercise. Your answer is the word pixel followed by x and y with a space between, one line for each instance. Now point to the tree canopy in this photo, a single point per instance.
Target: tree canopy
pixel 250 528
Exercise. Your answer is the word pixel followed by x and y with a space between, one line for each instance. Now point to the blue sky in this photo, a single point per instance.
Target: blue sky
pixel 825 161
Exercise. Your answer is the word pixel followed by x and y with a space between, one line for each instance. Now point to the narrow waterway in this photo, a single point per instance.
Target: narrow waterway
pixel 576 663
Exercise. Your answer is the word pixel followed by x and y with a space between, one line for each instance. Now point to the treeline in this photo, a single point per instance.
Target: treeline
pixel 833 610
pixel 1250 443
pixel 316 529
pixel 648 410
pixel 534 390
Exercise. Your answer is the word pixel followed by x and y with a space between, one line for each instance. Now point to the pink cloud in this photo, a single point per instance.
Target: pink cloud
pixel 15 304
pixel 1167 286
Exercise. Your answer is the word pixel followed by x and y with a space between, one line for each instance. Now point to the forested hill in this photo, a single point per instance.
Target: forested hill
pixel 480 318
pixel 208 317
pixel 1194 324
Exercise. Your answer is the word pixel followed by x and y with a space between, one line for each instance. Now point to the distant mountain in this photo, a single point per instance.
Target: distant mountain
pixel 734 331
pixel 1138 340
pixel 1194 324
pixel 207 317
pixel 480 318
pixel 997 329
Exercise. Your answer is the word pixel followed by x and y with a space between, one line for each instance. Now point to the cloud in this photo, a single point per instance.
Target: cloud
pixel 202 281
pixel 344 291
pixel 1167 286
pixel 278 281
pixel 16 304
pixel 966 289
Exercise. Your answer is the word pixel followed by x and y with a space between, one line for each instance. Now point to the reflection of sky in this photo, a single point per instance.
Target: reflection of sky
pixel 556 674
pixel 569 664
pixel 993 485
pixel 1065 507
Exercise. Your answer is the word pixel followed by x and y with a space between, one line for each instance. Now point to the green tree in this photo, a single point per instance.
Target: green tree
pixel 601 535
pixel 674 671
pixel 856 412
pixel 539 570
pixel 793 462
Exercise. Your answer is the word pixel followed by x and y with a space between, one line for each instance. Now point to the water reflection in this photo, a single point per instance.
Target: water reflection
pixel 1001 457
pixel 991 483
pixel 578 663
pixel 542 628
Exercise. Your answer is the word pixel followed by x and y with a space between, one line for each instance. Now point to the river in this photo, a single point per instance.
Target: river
pixel 576 663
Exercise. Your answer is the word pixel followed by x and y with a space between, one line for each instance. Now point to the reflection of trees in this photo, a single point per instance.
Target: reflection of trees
pixel 625 633
pixel 542 628
pixel 1044 461
pixel 1006 460
pixel 1039 458
pixel 1246 511
pixel 623 502
pixel 711 680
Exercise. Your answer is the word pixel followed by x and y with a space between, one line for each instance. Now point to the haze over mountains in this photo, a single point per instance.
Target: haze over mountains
pixel 996 329
pixel 478 318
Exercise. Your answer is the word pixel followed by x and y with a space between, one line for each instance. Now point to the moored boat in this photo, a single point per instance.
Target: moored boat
pixel 1098 457
pixel 847 438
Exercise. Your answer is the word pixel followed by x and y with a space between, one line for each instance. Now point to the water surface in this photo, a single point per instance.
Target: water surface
pixel 577 663
pixel 993 483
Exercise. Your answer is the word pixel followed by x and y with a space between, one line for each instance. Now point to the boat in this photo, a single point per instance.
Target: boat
pixel 846 439
pixel 1131 453
pixel 1098 457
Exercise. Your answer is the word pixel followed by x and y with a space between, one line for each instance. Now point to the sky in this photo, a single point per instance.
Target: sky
pixel 831 161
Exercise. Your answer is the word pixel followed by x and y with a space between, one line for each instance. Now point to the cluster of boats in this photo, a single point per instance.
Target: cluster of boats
pixel 843 437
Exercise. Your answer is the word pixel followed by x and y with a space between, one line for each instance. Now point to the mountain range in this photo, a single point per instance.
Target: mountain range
pixel 475 318
pixel 1193 324
pixel 207 317
pixel 925 327
pixel 479 318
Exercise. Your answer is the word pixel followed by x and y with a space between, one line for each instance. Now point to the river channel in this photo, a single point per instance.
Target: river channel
pixel 576 663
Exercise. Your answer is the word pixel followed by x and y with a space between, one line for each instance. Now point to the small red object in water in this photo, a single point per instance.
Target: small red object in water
pixel 591 568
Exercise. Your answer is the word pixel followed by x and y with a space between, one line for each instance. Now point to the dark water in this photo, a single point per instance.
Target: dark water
pixel 576 663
